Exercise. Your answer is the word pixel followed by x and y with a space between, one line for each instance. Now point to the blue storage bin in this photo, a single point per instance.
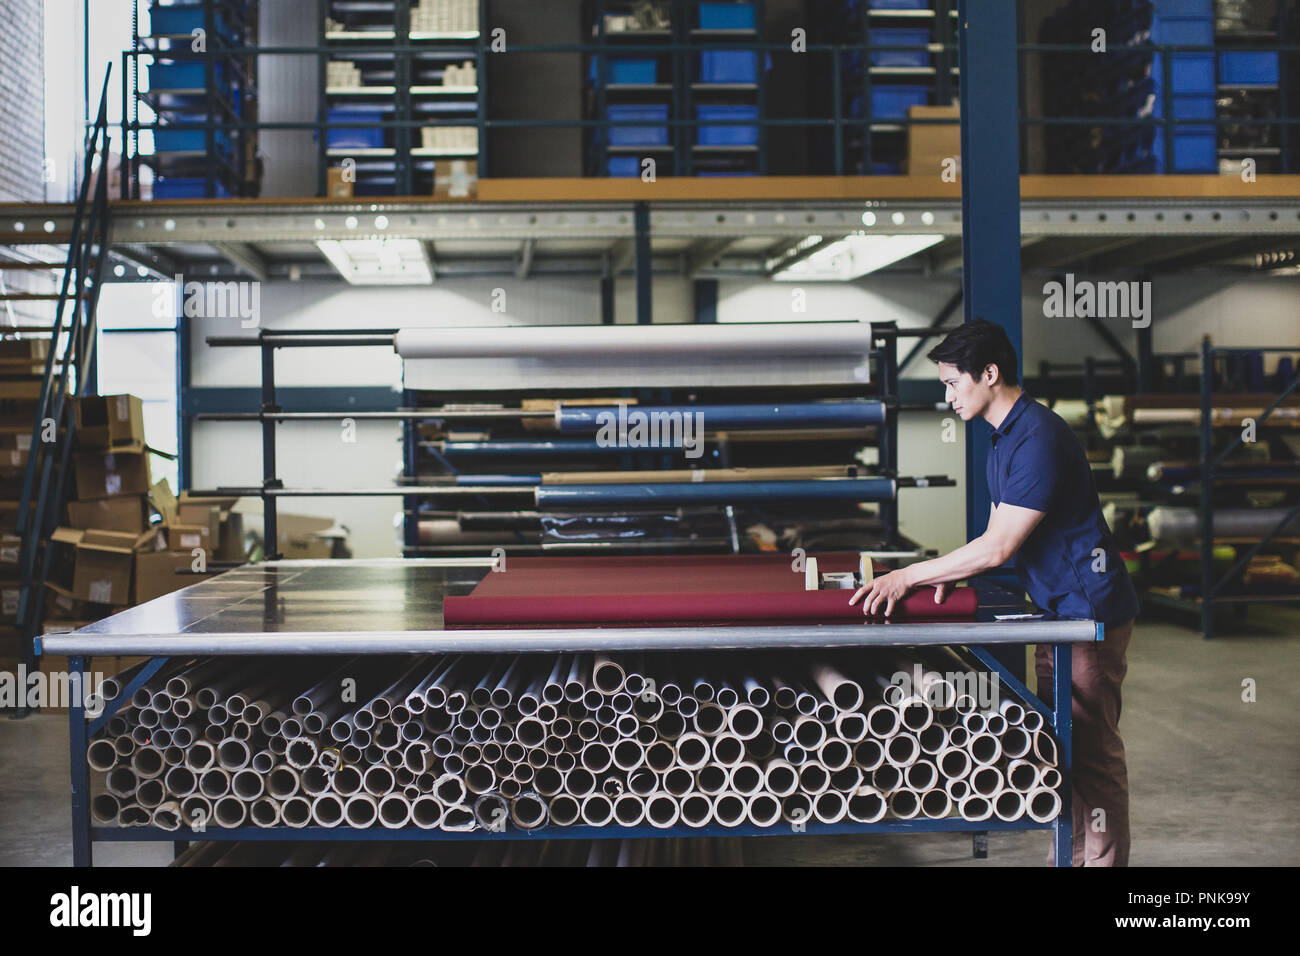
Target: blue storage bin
pixel 726 16
pixel 186 139
pixel 171 188
pixel 1195 151
pixel 728 66
pixel 1248 68
pixel 627 70
pixel 629 166
pixel 1188 72
pixel 638 135
pixel 726 135
pixel 1183 8
pixel 899 37
pixel 892 102
pixel 355 137
pixel 1183 31
pixel 183 75
pixel 181 20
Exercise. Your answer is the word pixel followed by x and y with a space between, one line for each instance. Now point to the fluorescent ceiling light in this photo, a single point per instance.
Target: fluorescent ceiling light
pixel 378 261
pixel 854 256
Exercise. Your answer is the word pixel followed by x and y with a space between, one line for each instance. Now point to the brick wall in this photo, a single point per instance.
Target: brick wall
pixel 22 109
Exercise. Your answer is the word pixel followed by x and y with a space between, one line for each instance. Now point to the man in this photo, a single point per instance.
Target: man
pixel 1046 515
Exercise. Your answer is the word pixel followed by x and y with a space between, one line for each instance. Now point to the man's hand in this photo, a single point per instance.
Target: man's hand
pixel 886 591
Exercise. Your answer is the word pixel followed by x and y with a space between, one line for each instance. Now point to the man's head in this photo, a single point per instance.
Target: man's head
pixel 976 363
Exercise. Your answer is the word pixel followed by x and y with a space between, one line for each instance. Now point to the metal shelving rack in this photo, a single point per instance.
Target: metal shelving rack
pixel 403 165
pixel 1212 590
pixel 205 139
pixel 161 646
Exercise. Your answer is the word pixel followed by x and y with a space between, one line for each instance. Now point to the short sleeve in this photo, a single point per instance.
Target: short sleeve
pixel 1034 473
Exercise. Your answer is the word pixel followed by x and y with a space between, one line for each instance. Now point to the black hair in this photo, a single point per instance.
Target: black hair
pixel 974 346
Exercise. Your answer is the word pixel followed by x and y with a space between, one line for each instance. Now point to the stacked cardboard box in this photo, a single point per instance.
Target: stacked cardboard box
pixel 930 145
pixel 22 366
pixel 444 16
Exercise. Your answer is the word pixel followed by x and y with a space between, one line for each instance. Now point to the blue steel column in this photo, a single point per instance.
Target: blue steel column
pixel 990 208
pixel 644 311
pixel 81 852
pixel 990 201
pixel 1062 704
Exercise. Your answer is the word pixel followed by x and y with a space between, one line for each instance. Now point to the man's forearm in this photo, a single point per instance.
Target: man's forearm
pixel 971 558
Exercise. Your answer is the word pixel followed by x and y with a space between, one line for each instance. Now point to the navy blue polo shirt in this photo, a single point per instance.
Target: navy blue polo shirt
pixel 1037 462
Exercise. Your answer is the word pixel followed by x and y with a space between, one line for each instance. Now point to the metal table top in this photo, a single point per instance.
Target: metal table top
pixel 394 606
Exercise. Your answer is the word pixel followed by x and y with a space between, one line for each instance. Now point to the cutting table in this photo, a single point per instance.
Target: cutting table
pixel 396 606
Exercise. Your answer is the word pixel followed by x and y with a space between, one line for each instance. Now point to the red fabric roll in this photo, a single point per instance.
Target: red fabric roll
pixel 656 589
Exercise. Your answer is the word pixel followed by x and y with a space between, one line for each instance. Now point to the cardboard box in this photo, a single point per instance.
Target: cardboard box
pixel 455 179
pixel 13 462
pixel 299 536
pixel 105 562
pixel 24 356
pixel 9 511
pixel 16 438
pixel 10 549
pixel 110 422
pixel 928 145
pixel 107 475
pixel 337 186
pixel 121 513
pixel 10 590
pixel 186 537
pixel 62 604
pixel 63 558
pixel 155 574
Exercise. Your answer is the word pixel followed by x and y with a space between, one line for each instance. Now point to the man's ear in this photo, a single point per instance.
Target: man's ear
pixel 992 375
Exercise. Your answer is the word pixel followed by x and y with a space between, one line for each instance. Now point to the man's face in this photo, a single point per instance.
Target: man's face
pixel 967 396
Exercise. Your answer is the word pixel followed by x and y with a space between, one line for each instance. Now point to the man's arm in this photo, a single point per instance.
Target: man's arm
pixel 1009 526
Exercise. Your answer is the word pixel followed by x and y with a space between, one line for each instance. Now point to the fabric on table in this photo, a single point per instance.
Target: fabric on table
pixel 621 590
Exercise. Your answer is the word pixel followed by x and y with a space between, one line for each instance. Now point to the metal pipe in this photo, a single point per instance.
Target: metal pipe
pixel 845 694
pixel 711 779
pixel 678 781
pixel 813 778
pixel 830 807
pixel 850 726
pixel 868 753
pixel 1050 778
pixel 957 789
pixel 296 812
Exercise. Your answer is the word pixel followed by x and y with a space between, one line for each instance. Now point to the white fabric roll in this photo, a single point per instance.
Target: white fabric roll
pixel 686 341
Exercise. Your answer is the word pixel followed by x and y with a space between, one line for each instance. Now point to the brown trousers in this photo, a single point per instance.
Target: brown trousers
pixel 1100 775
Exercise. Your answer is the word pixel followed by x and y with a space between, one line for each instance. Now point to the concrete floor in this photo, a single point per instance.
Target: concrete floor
pixel 1213 780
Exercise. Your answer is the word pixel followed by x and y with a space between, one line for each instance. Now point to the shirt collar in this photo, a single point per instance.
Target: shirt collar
pixel 1017 409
